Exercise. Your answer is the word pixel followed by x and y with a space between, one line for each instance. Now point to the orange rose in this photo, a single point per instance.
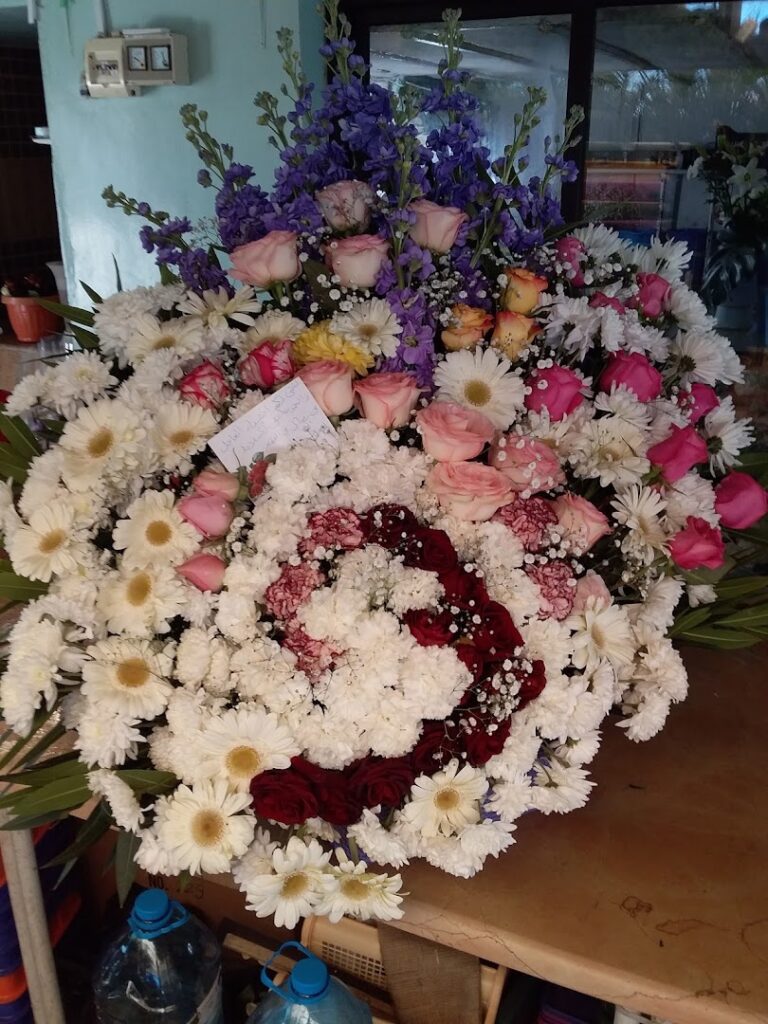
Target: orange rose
pixel 471 325
pixel 522 292
pixel 513 333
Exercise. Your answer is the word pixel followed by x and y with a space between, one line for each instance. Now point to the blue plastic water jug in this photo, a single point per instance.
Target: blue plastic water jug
pixel 164 965
pixel 308 996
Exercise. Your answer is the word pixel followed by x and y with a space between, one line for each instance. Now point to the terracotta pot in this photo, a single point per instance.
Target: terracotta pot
pixel 29 321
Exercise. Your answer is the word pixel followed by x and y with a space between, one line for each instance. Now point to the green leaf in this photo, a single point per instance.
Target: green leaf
pixel 756 464
pixel 741 586
pixel 167 276
pixel 19 436
pixel 92 294
pixel 689 619
pixel 746 618
pixel 85 339
pixel 47 740
pixel 708 577
pixel 67 766
pixel 146 780
pixel 41 716
pixel 61 795
pixel 73 314
pixel 19 588
pixel 95 825
pixel 12 465
pixel 118 279
pixel 726 639
pixel 21 824
pixel 125 863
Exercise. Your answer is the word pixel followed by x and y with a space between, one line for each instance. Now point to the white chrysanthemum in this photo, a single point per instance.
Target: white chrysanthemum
pixel 203 660
pixel 691 495
pixel 704 358
pixel 105 738
pixel 127 676
pixel 205 827
pixel 123 805
pixel 141 601
pixel 657 612
pixel 647 712
pixel 257 860
pixel 380 845
pixel 294 886
pixel 28 393
pixel 241 743
pixel 215 307
pixel 371 326
pixel 104 438
pixel 686 307
pixel 154 858
pixel 446 802
pixel 611 449
pixel 558 789
pixel 640 509
pixel 51 545
pixel 154 532
pixel 601 633
pixel 77 380
pixel 274 325
pixel 180 430
pixel 670 259
pixel 700 593
pixel 483 381
pixel 601 242
pixel 352 890
pixel 726 436
pixel 576 326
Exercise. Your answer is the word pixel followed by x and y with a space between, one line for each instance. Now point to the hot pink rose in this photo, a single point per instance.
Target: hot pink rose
pixel 346 205
pixel 453 433
pixel 267 365
pixel 330 382
pixel 469 490
pixel 206 572
pixel 633 371
pixel 740 501
pixel 569 251
pixel 591 591
pixel 357 260
pixel 210 515
pixel 387 399
pixel 580 522
pixel 436 227
pixel 697 546
pixel 206 385
pixel 212 483
pixel 257 476
pixel 653 296
pixel 698 401
pixel 676 454
pixel 556 389
pixel 527 463
pixel 271 259
pixel 600 301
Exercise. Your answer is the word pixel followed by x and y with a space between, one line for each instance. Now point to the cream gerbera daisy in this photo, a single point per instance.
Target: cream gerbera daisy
pixel 105 438
pixel 352 890
pixel 483 381
pixel 640 510
pixel 141 601
pixel 242 743
pixel 204 828
pixel 295 885
pixel 274 325
pixel 51 545
pixel 128 676
pixel 446 802
pixel 181 430
pixel 601 633
pixel 183 335
pixel 372 325
pixel 154 532
pixel 215 306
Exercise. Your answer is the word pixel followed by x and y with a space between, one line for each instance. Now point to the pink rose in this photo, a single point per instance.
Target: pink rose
pixel 330 382
pixel 209 514
pixel 698 401
pixel 569 251
pixel 257 476
pixel 676 454
pixel 556 389
pixel 653 296
pixel 213 484
pixel 580 522
pixel 357 260
pixel 527 463
pixel 346 205
pixel 633 371
pixel 206 572
pixel 697 546
pixel 602 301
pixel 591 591
pixel 206 385
pixel 267 365
pixel 453 433
pixel 740 501
pixel 435 227
pixel 387 399
pixel 271 259
pixel 469 490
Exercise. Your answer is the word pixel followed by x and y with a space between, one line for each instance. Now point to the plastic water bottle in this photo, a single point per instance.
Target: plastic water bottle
pixel 164 966
pixel 308 996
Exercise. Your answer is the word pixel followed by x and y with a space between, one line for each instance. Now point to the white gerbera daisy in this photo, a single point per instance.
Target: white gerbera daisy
pixel 670 259
pixel 640 510
pixel 141 601
pixel 686 307
pixel 183 335
pixel 104 439
pixel 352 890
pixel 204 827
pixel 215 307
pixel 274 325
pixel 483 381
pixel 704 358
pixel 611 449
pixel 446 802
pixel 128 676
pixel 123 805
pixel 601 242
pixel 78 380
pixel 371 326
pixel 295 885
pixel 601 632
pixel 726 436
pixel 154 532
pixel 181 430
pixel 51 545
pixel 241 743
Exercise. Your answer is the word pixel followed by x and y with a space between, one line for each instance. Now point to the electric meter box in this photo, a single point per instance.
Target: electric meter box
pixel 119 65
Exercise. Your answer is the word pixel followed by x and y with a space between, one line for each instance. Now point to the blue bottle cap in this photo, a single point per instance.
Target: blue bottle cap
pixel 152 908
pixel 309 978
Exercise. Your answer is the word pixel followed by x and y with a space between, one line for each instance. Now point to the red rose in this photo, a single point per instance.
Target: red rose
pixel 257 476
pixel 387 525
pixel 429 629
pixel 464 589
pixel 382 780
pixel 481 745
pixel 284 796
pixel 431 550
pixel 434 749
pixel 472 659
pixel 497 632
pixel 531 684
pixel 206 385
pixel 635 372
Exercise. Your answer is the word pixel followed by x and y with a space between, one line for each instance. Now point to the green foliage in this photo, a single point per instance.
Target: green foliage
pixel 737 618
pixel 125 863
pixel 73 314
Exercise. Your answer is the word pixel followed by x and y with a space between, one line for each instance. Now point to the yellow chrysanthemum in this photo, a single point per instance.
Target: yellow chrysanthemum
pixel 319 342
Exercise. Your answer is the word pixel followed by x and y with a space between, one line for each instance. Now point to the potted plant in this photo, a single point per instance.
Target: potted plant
pixel 21 294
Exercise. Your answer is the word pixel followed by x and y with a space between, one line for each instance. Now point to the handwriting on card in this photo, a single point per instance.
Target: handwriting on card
pixel 289 416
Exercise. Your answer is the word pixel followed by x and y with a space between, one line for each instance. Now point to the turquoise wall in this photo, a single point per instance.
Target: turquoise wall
pixel 137 144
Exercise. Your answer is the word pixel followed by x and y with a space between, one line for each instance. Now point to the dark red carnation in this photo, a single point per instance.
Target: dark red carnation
pixel 386 525
pixel 430 629
pixel 481 745
pixel 431 550
pixel 433 750
pixel 285 796
pixel 496 633
pixel 338 528
pixel 382 780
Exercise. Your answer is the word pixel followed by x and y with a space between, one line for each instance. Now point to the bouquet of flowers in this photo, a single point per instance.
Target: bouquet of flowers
pixel 329 651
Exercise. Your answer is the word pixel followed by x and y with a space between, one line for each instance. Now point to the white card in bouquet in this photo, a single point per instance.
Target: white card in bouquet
pixel 280 421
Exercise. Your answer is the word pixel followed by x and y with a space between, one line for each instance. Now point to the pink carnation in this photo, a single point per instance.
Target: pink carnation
pixel 529 519
pixel 336 528
pixel 555 581
pixel 285 596
pixel 312 656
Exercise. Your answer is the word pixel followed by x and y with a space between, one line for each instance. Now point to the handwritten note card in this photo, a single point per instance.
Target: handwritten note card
pixel 285 418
